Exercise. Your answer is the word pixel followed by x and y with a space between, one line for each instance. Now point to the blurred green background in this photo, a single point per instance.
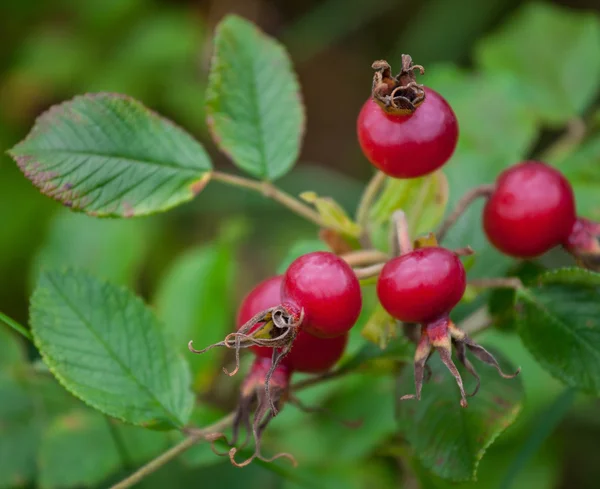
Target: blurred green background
pixel 517 75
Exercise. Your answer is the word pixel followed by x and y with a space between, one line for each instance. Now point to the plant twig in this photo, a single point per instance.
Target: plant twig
pixel 16 326
pixel 402 242
pixel 186 444
pixel 462 205
pixel 368 272
pixel 270 191
pixel 498 282
pixel 567 142
pixel 364 257
pixel 367 199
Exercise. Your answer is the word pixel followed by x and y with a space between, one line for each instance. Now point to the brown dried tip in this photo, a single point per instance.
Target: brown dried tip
pixel 584 243
pixel 400 94
pixel 253 396
pixel 440 335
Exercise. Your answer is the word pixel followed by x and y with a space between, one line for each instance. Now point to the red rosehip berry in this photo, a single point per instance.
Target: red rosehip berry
pixel 421 285
pixel 531 210
pixel 412 145
pixel 309 354
pixel 327 289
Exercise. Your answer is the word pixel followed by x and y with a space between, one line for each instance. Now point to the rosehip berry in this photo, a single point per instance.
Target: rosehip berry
pixel 408 146
pixel 531 210
pixel 327 289
pixel 309 354
pixel 421 285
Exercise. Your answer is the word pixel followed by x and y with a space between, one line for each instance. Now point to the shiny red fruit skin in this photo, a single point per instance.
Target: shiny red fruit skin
pixel 421 285
pixel 531 210
pixel 309 354
pixel 327 289
pixel 408 146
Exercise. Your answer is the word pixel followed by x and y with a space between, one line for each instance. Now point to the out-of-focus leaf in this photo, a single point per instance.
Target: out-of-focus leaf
pixel 139 444
pixel 108 155
pixel 298 249
pixel 253 101
pixel 547 49
pixel 380 328
pixel 111 249
pixel 19 433
pixel 76 450
pixel 11 350
pixel 194 299
pixel 201 454
pixel 332 213
pixel 107 348
pixel 559 322
pixel 450 440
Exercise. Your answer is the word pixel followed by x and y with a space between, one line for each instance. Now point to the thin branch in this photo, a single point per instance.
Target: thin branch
pixel 401 233
pixel 567 142
pixel 462 205
pixel 268 190
pixel 364 257
pixel 498 282
pixel 186 444
pixel 367 199
pixel 368 272
pixel 22 330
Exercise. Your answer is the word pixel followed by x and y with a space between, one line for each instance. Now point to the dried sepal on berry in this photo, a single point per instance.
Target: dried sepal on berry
pixel 584 243
pixel 400 94
pixel 440 335
pixel 255 404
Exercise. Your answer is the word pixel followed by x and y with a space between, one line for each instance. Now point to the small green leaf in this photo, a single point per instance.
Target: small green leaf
pixel 107 348
pixel 332 214
pixel 450 440
pixel 253 100
pixel 380 328
pixel 548 48
pixel 559 322
pixel 194 300
pixel 19 433
pixel 298 249
pixel 77 450
pixel 108 155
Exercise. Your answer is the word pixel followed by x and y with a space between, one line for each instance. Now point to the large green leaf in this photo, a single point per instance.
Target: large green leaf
pixel 19 433
pixel 194 300
pixel 77 450
pixel 112 249
pixel 109 350
pixel 108 155
pixel 547 49
pixel 450 440
pixel 559 322
pixel 253 101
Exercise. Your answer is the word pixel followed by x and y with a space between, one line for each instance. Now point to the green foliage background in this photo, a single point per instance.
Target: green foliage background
pixel 517 76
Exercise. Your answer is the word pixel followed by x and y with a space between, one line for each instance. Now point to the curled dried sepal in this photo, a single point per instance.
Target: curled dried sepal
pixel 584 243
pixel 440 335
pixel 253 396
pixel 400 94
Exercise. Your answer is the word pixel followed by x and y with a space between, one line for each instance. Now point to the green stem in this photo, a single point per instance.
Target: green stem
pixel 16 326
pixel 367 199
pixel 268 190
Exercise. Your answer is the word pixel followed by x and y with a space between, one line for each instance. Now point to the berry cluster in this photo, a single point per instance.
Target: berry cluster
pixel 299 321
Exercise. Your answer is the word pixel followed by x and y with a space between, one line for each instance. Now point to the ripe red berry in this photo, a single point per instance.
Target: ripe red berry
pixel 531 210
pixel 421 285
pixel 408 146
pixel 309 354
pixel 327 289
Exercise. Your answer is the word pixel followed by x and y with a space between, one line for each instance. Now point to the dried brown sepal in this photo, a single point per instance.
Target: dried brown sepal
pixel 584 243
pixel 400 94
pixel 440 335
pixel 254 411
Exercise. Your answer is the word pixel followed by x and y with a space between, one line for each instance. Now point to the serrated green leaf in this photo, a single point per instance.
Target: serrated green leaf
pixel 253 100
pixel 559 322
pixel 109 248
pixel 450 440
pixel 544 47
pixel 194 300
pixel 77 450
pixel 108 155
pixel 107 348
pixel 19 433
pixel 298 249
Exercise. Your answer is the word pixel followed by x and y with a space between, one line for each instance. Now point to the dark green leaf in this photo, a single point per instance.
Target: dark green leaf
pixel 559 322
pixel 450 440
pixel 253 101
pixel 108 349
pixel 108 155
pixel 77 450
pixel 548 48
